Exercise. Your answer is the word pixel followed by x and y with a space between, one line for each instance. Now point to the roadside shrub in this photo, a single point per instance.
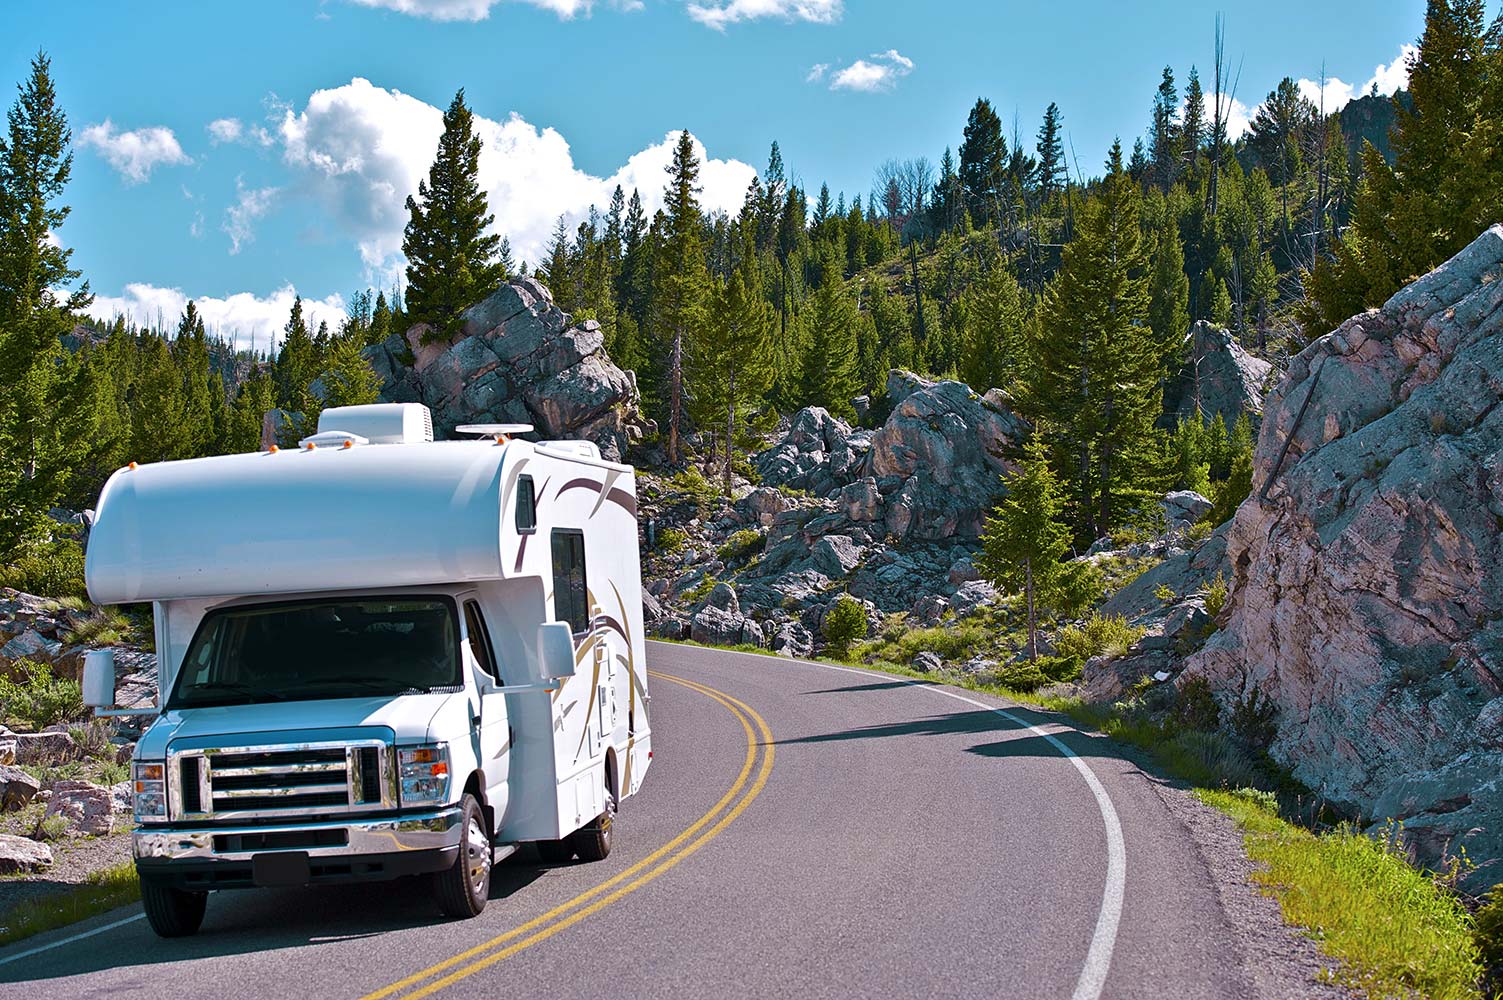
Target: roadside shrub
pixel 1198 532
pixel 1100 635
pixel 693 482
pixel 742 545
pixel 1212 760
pixel 1487 931
pixel 55 569
pixel 39 698
pixel 671 541
pixel 50 828
pixel 104 627
pixel 1027 677
pixel 1195 707
pixel 1164 593
pixel 845 623
pixel 93 739
pixel 1254 719
pixel 1216 594
pixel 701 590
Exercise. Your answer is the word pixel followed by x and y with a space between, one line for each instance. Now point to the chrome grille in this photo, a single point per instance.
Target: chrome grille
pixel 279 781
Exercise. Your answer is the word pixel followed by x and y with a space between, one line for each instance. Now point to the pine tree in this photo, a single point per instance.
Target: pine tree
pixel 451 257
pixel 190 352
pixel 681 280
pixel 348 377
pixel 43 436
pixel 297 366
pixel 1025 540
pixel 830 367
pixel 257 395
pixel 1194 131
pixel 732 363
pixel 1051 150
pixel 1446 183
pixel 381 321
pixel 994 319
pixel 1165 141
pixel 1169 295
pixel 983 155
pixel 1096 366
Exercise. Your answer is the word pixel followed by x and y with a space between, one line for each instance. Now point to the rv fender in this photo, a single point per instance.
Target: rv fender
pixel 475 785
pixel 612 773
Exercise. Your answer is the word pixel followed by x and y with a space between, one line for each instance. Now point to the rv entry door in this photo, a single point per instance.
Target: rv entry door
pixel 494 728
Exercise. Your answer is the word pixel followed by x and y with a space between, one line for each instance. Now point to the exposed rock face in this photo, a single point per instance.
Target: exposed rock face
pixel 17 788
pixel 1367 599
pixel 1221 377
pixel 88 808
pixel 818 454
pixel 517 359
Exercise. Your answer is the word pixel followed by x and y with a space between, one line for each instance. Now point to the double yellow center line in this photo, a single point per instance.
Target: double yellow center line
pixel 486 954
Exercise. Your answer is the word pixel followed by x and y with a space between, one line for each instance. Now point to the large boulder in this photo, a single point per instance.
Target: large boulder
pixel 518 358
pixel 19 855
pixel 950 447
pixel 1367 595
pixel 1220 377
pixel 819 453
pixel 88 809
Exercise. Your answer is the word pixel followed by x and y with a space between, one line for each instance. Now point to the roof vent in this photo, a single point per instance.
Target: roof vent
pixel 380 423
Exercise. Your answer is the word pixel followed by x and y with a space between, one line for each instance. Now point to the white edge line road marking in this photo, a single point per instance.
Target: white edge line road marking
pixel 70 939
pixel 1099 956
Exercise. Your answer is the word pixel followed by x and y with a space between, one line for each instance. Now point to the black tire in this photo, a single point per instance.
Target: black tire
pixel 593 842
pixel 556 852
pixel 463 888
pixel 172 912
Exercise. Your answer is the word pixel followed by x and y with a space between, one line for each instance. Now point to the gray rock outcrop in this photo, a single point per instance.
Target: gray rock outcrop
pixel 21 854
pixel 1367 595
pixel 518 358
pixel 1220 377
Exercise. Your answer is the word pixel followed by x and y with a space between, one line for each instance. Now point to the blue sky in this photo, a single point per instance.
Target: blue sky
pixel 236 152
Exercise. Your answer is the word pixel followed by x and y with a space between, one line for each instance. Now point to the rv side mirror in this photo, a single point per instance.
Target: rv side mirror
pixel 99 678
pixel 556 651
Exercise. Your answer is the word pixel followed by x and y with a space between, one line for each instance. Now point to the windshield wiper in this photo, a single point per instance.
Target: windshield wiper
pixel 361 683
pixel 188 698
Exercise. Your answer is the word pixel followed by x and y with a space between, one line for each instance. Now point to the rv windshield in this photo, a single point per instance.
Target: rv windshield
pixel 331 648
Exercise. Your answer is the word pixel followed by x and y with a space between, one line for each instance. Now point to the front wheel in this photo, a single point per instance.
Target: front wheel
pixel 463 888
pixel 593 842
pixel 172 912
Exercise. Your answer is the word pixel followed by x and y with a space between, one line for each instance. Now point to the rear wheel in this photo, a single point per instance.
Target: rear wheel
pixel 463 888
pixel 172 912
pixel 593 842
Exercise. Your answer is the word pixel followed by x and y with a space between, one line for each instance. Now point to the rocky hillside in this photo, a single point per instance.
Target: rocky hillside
pixel 1366 569
pixel 517 359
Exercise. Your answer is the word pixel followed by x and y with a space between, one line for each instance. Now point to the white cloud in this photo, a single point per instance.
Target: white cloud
pixel 719 13
pixel 1238 115
pixel 225 130
pixel 249 319
pixel 1387 78
pixel 196 227
pixel 363 149
pixel 817 72
pixel 136 153
pixel 882 72
pixel 239 218
pixel 479 10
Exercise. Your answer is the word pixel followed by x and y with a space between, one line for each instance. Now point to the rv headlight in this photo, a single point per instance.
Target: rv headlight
pixel 424 773
pixel 150 787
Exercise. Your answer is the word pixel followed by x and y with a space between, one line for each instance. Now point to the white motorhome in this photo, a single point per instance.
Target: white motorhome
pixel 379 655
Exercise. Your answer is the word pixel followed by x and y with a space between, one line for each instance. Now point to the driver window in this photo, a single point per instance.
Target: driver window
pixel 480 639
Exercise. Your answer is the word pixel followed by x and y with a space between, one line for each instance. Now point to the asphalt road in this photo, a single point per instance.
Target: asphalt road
pixel 804 832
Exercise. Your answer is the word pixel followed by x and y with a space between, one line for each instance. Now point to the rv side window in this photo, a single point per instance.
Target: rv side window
pixel 479 638
pixel 570 603
pixel 527 506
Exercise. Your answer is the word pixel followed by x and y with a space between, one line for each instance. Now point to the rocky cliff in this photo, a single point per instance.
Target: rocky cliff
pixel 1367 588
pixel 517 359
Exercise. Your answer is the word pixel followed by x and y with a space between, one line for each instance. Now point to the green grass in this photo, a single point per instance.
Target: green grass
pixel 1395 931
pixel 105 890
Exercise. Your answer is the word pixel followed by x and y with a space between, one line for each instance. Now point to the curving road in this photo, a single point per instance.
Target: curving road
pixel 806 831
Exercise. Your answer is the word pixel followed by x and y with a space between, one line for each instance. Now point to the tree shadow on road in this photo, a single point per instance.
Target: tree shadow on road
pixel 242 921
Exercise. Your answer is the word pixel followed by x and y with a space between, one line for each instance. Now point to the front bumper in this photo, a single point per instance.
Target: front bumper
pixel 364 850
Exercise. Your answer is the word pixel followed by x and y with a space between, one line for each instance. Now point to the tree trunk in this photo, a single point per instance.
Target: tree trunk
pixel 675 393
pixel 1033 623
pixel 730 429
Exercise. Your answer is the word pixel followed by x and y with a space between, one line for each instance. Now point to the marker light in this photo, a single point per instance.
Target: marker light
pixel 348 444
pixel 273 450
pixel 424 774
pixel 150 792
pixel 131 465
